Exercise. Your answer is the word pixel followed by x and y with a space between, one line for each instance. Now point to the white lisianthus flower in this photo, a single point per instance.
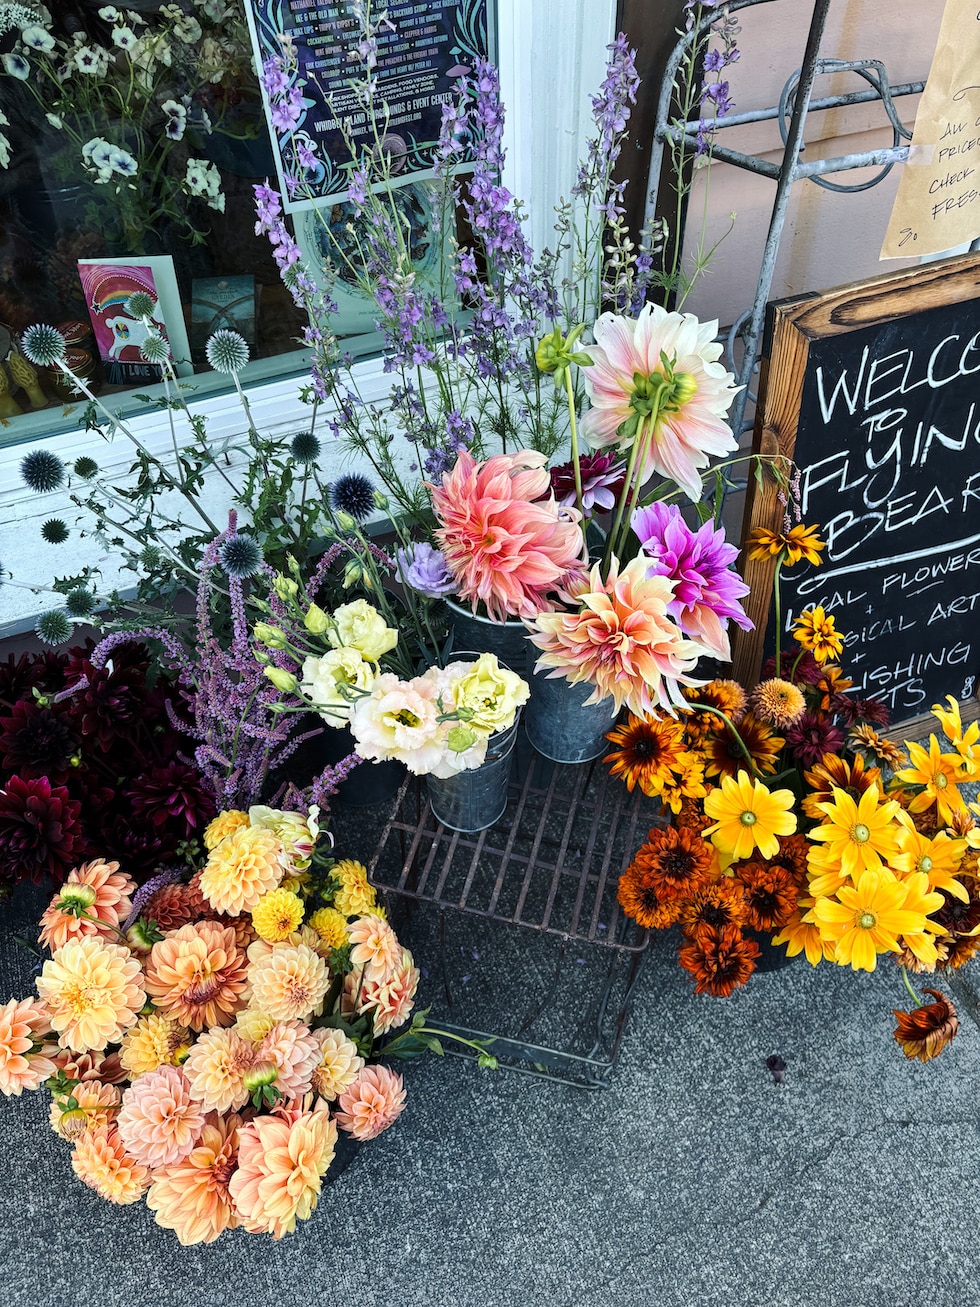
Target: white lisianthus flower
pixel 89 61
pixel 176 119
pixel 98 153
pixel 37 38
pixel 109 13
pixel 122 162
pixel 360 626
pixel 325 680
pixel 125 38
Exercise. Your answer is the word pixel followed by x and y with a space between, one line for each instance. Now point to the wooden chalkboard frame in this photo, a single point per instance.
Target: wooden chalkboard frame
pixel 792 324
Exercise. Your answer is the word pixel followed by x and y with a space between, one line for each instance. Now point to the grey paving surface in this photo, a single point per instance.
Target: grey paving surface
pixel 694 1181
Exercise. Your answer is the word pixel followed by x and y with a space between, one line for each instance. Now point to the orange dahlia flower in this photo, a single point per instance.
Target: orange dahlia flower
pixel 159 1122
pixel 216 1067
pixel 109 905
pixel 245 865
pixel 22 1065
pixel 289 983
pixel 505 539
pixel 192 1197
pixel 196 975
pixel 622 638
pixel 100 1161
pixel 281 1163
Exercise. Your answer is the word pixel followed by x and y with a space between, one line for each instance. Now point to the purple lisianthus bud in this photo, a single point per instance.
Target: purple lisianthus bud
pixel 423 567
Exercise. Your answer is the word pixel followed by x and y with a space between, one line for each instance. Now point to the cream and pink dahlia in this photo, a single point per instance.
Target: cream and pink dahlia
pixel 23 1065
pixel 159 1122
pixel 245 865
pixel 391 996
pixel 293 1051
pixel 281 1163
pixel 339 1063
pixel 192 1197
pixel 216 1068
pixel 687 398
pixel 96 888
pixel 100 1161
pixel 375 946
pixel 372 1103
pixel 196 975
pixel 505 539
pixel 93 991
pixel 622 639
pixel 289 983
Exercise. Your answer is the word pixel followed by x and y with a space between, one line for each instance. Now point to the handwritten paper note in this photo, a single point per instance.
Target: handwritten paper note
pixel 938 201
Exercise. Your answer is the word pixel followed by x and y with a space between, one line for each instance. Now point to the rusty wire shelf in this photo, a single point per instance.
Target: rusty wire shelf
pixel 551 866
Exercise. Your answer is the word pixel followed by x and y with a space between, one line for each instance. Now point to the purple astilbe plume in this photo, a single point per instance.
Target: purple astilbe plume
pixel 706 590
pixel 239 734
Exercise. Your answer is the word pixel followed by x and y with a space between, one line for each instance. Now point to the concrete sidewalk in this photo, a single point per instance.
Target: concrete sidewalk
pixel 695 1181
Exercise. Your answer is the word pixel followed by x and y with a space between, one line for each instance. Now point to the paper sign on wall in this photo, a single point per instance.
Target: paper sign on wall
pixel 938 201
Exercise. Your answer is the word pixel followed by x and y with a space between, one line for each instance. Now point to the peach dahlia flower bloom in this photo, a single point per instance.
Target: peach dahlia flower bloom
pixel 192 1197
pixel 111 905
pixel 692 430
pixel 159 1122
pixel 293 1051
pixel 196 976
pixel 100 1161
pixel 93 991
pixel 339 1063
pixel 23 1023
pixel 216 1067
pixel 289 983
pixel 282 1159
pixel 98 1105
pixel 372 1103
pixel 241 868
pixel 505 539
pixel 375 946
pixel 391 995
pixel 622 638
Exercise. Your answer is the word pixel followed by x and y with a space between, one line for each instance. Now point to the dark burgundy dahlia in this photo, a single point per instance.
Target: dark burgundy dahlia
pixel 172 795
pixel 38 741
pixel 39 830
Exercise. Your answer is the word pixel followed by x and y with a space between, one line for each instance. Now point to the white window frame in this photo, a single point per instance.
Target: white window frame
pixel 551 55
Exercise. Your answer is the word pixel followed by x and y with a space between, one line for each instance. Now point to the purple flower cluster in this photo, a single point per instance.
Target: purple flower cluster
pixel 715 92
pixel 423 567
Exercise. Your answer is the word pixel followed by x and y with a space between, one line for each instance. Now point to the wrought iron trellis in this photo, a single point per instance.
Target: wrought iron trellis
pixel 795 104
pixel 551 865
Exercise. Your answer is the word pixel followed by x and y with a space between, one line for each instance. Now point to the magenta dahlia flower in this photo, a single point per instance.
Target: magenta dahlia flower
pixel 603 478
pixel 690 393
pixel 706 590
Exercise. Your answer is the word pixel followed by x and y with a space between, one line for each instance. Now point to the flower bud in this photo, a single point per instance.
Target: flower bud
pixel 285 587
pixel 281 679
pixel 142 935
pixel 353 574
pixel 461 738
pixel 75 900
pixel 72 1123
pixel 316 620
pixel 345 521
pixel 260 1074
pixel 271 636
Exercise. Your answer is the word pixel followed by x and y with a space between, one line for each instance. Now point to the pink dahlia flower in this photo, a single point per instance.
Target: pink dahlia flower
pixel 622 638
pixel 282 1160
pixel 159 1122
pixel 506 541
pixel 627 370
pixel 372 1103
pixel 24 1023
pixel 192 1196
pixel 706 590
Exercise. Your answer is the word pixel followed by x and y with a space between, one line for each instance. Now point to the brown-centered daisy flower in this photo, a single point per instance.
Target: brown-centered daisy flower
pixel 647 750
pixel 719 960
pixel 725 756
pixel 866 740
pixel 777 702
pixel 771 895
pixel 832 772
pixel 640 900
pixel 959 920
pixel 792 856
pixel 676 862
pixel 790 546
pixel 692 816
pixel 924 1032
pixel 714 906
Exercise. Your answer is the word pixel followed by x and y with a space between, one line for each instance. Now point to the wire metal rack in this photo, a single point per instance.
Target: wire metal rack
pixel 550 867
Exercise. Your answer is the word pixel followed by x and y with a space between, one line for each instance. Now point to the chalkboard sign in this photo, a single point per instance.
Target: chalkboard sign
pixel 873 392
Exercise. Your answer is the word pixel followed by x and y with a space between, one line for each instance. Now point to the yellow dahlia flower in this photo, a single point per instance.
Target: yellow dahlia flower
pixel 93 991
pixel 867 918
pixel 277 914
pixel 747 816
pixel 331 926
pixel 253 1025
pixel 153 1042
pixel 245 865
pixel 226 823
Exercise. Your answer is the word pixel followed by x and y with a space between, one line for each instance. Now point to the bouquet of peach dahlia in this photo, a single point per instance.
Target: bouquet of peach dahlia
pixel 207 1041
pixel 795 824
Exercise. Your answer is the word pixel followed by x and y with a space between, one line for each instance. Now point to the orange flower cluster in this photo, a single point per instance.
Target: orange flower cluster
pixel 184 1049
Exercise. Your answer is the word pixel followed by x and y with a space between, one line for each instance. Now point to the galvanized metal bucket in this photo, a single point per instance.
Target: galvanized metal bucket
pixel 473 800
pixel 508 640
pixel 558 724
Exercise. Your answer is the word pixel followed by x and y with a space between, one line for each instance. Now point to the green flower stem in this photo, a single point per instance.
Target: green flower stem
pixel 908 985
pixel 574 434
pixel 478 1046
pixel 633 488
pixel 716 712
pixel 779 612
pixel 621 506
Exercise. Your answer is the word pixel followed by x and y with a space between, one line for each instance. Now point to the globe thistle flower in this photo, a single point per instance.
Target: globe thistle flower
pixel 240 556
pixel 353 494
pixel 53 627
pixel 43 345
pixel 86 468
pixel 42 471
pixel 54 531
pixel 155 349
pixel 80 602
pixel 226 351
pixel 305 447
pixel 140 305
